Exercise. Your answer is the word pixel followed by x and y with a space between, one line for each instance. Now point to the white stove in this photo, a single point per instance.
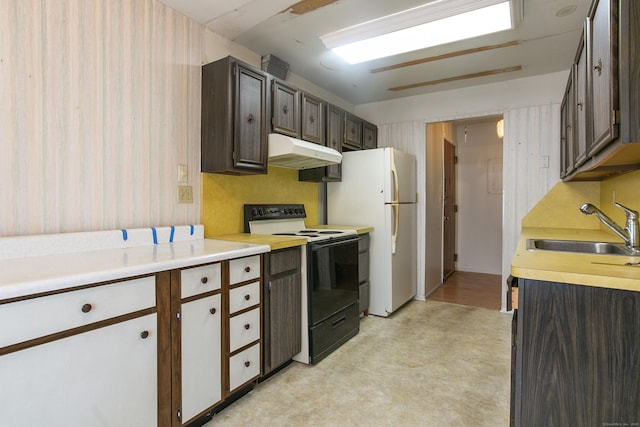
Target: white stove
pixel 286 220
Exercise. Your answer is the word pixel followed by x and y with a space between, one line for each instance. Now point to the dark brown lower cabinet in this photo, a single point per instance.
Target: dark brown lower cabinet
pixel 577 356
pixel 282 312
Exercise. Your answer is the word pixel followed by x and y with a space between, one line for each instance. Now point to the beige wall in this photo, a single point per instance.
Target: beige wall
pixel 100 104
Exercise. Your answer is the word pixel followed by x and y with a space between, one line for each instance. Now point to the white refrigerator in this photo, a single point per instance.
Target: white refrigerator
pixel 378 189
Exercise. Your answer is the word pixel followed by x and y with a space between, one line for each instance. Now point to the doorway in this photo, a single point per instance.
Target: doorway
pixel 449 211
pixel 472 209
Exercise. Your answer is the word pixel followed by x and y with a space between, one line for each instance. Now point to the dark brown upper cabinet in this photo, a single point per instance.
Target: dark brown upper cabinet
pixel 335 135
pixel 567 119
pixel 352 132
pixel 580 79
pixel 602 40
pixel 312 111
pixel 285 112
pixel 369 136
pixel 234 118
pixel 606 121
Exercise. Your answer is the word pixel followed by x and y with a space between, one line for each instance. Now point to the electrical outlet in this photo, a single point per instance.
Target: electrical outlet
pixel 185 194
pixel 183 174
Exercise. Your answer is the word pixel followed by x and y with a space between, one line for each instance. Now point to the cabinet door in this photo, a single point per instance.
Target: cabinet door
pixel 334 136
pixel 369 136
pixel 201 355
pixel 285 112
pixel 312 118
pixel 602 35
pixel 352 132
pixel 250 141
pixel 582 104
pixel 285 313
pixel 578 355
pixel 107 376
pixel 567 108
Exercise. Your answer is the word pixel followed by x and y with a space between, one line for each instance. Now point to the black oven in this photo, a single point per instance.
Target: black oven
pixel 332 283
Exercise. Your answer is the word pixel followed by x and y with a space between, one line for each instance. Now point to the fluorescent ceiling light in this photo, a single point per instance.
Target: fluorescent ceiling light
pixel 425 26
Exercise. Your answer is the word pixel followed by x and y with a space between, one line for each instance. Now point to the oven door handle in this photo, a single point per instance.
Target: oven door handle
pixel 320 245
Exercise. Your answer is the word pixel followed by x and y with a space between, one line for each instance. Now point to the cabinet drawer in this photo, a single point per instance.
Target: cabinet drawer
pixel 244 297
pixel 244 329
pixel 243 269
pixel 244 366
pixel 284 260
pixel 33 318
pixel 197 280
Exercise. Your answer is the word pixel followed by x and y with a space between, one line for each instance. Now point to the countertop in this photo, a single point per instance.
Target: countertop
pixel 274 242
pixel 606 271
pixel 39 274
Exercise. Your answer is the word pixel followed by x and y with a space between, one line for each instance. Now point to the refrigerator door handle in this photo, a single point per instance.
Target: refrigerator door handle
pixel 394 236
pixel 396 189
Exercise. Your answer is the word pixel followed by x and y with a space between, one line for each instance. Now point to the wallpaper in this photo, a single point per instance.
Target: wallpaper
pixel 100 104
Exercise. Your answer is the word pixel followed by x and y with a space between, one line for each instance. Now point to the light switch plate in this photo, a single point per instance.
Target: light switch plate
pixel 185 194
pixel 183 174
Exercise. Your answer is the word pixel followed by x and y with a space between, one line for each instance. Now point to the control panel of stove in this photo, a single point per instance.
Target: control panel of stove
pixel 276 211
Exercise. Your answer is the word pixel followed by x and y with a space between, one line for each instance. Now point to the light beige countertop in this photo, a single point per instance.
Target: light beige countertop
pixel 274 242
pixel 607 271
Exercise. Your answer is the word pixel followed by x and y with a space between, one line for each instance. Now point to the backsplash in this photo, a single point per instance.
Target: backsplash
pixel 559 208
pixel 627 192
pixel 223 197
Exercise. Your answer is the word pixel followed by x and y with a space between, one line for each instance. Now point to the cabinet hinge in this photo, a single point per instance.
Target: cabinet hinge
pixel 455 257
pixel 178 315
pixel 455 160
pixel 615 117
pixel 179 415
pixel 455 208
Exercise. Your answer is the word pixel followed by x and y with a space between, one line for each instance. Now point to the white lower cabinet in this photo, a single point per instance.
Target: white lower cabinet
pixel 244 366
pixel 201 355
pixel 103 377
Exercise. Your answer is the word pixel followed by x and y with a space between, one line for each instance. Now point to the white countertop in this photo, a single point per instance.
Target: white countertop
pixel 52 272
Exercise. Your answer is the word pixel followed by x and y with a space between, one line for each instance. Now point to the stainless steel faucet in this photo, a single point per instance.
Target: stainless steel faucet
pixel 630 233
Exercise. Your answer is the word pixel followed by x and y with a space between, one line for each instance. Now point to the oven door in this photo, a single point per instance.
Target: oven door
pixel 332 277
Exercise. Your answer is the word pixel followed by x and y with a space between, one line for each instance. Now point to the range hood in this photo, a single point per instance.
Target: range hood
pixel 293 153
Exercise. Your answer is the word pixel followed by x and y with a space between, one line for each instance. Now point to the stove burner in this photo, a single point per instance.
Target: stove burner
pixel 330 232
pixel 284 234
pixel 307 231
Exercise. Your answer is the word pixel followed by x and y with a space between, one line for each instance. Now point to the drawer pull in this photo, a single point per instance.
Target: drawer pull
pixel 86 308
pixel 204 280
pixel 247 326
pixel 212 310
pixel 144 335
pixel 339 322
pixel 247 297
pixel 247 363
pixel 247 269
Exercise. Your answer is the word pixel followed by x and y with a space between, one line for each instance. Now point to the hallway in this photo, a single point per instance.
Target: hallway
pixel 472 289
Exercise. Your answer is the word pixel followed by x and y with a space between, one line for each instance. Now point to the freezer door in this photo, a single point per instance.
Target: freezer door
pixel 404 258
pixel 400 177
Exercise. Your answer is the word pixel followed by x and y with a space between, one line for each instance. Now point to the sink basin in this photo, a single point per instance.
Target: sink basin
pixel 577 246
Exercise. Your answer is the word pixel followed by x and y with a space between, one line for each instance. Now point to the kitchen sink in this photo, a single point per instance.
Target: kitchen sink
pixel 578 246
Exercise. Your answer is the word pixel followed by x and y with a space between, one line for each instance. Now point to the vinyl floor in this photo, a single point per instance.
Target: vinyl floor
pixel 429 364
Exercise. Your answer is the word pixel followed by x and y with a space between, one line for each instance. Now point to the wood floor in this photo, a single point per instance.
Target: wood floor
pixel 474 289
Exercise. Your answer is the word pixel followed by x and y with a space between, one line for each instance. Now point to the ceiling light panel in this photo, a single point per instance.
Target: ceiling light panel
pixel 428 25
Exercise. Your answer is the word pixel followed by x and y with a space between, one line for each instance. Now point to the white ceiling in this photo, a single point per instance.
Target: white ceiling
pixel 548 43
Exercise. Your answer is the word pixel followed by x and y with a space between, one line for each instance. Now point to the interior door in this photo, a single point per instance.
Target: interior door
pixel 449 218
